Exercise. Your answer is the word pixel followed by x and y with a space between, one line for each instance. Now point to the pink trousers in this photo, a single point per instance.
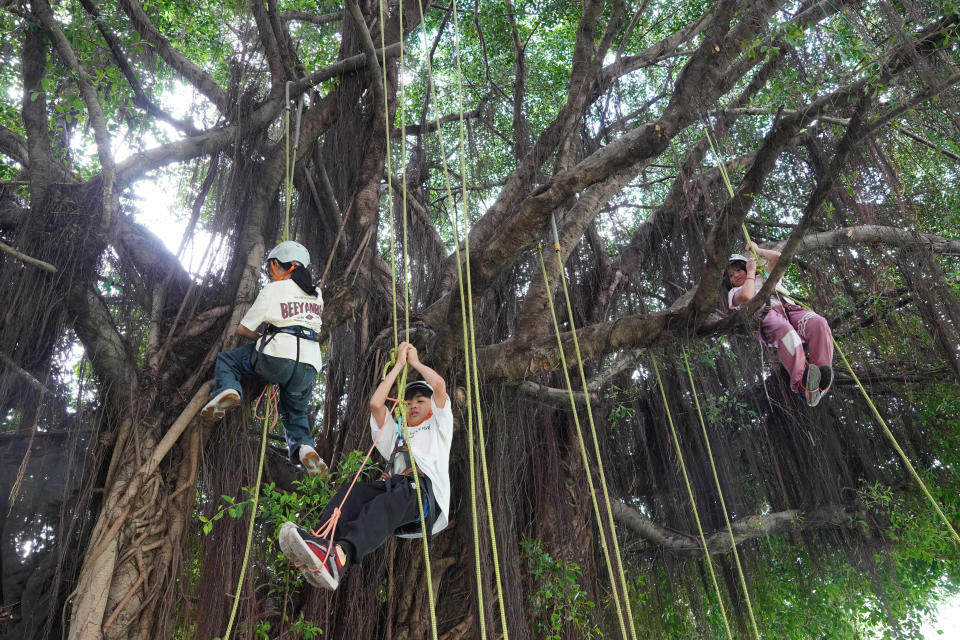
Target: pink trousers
pixel 810 328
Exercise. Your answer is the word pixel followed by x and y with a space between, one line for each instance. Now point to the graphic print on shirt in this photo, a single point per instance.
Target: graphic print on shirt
pixel 313 310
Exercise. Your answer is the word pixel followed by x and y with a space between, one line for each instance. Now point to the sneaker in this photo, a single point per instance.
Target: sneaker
pixel 307 552
pixel 312 461
pixel 218 405
pixel 810 385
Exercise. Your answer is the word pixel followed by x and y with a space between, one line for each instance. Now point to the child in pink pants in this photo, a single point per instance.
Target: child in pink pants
pixel 785 327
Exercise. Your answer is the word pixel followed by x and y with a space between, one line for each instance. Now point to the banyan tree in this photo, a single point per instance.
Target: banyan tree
pixel 424 152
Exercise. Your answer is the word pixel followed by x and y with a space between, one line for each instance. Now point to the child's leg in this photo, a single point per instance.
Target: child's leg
pixel 780 332
pixel 815 331
pixel 230 366
pixel 296 385
pixel 372 514
pixel 293 413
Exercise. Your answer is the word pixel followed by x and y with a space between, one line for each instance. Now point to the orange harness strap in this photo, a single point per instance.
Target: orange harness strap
pixel 281 276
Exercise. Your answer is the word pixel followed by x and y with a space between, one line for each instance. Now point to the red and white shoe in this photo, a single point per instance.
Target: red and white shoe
pixel 218 405
pixel 309 554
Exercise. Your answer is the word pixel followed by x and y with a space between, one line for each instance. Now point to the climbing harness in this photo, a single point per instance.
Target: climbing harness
pixel 269 333
pixel 391 476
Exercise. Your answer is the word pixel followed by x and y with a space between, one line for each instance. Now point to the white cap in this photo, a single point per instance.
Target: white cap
pixel 290 251
pixel 734 257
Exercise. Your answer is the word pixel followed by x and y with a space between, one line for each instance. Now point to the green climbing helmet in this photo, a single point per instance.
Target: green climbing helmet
pixel 290 251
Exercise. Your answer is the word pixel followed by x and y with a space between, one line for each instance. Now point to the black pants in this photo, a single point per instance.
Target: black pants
pixel 374 511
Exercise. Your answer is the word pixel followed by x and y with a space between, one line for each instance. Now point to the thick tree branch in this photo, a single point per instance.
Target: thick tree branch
pixel 139 246
pixel 24 374
pixel 744 529
pixel 824 186
pixel 312 18
pixel 14 146
pixel 870 234
pixel 734 211
pixel 697 85
pixel 430 126
pixel 104 345
pixel 370 51
pixel 554 396
pixel 219 138
pixel 571 229
pixel 177 61
pixel 140 97
pixel 109 197
pixel 270 41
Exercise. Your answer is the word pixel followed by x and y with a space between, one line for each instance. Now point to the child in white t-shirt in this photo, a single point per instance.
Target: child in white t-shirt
pixel 287 353
pixel 371 512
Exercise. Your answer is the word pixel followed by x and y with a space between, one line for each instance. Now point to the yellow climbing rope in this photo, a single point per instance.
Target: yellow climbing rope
pixel 583 454
pixel 271 413
pixel 290 158
pixel 401 382
pixel 469 345
pixel 272 395
pixel 723 504
pixel 593 428
pixel 693 501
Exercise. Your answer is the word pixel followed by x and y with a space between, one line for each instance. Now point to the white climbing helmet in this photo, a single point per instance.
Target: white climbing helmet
pixel 736 257
pixel 290 251
pixel 417 387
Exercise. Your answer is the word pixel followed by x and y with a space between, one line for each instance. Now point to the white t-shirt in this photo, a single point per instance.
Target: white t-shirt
pixel 429 444
pixel 757 285
pixel 283 304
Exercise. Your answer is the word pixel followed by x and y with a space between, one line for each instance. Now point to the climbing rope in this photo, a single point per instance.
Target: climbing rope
pixel 469 344
pixel 593 428
pixel 389 163
pixel 693 501
pixel 723 504
pixel 583 451
pixel 270 418
pixel 863 391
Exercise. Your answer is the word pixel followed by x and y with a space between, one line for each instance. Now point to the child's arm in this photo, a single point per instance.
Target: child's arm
pixel 254 316
pixel 769 255
pixel 242 331
pixel 432 377
pixel 378 400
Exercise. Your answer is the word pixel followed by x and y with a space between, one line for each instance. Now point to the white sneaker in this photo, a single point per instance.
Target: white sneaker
pixel 312 461
pixel 218 405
